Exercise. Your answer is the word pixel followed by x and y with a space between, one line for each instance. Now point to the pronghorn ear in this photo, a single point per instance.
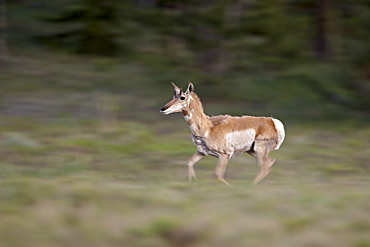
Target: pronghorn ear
pixel 176 89
pixel 190 87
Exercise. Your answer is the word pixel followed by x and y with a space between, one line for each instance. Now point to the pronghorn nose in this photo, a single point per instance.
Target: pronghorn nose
pixel 163 108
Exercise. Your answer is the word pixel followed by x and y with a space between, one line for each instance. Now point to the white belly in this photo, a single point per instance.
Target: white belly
pixel 241 141
pixel 236 142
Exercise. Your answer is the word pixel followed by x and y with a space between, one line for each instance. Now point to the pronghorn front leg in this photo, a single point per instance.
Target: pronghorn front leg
pixel 193 159
pixel 221 167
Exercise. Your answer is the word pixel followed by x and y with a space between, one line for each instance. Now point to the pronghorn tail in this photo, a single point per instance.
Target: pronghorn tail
pixel 280 131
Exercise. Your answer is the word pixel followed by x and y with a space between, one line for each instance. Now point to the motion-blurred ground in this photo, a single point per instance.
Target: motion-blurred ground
pixel 102 168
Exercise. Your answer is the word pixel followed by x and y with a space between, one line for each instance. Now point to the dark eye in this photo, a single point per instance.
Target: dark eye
pixel 182 97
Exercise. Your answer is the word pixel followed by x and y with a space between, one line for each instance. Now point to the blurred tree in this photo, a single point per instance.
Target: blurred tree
pixel 4 52
pixel 197 26
pixel 321 44
pixel 260 37
pixel 252 42
pixel 343 37
pixel 92 27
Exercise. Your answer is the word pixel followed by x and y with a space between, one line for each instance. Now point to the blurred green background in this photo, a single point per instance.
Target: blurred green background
pixel 88 160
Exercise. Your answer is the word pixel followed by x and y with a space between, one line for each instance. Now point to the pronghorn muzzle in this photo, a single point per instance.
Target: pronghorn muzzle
pixel 163 109
pixel 171 107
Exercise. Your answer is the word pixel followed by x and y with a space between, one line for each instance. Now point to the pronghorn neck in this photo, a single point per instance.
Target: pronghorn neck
pixel 195 117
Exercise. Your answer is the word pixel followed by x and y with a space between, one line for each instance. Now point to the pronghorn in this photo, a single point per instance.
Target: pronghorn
pixel 225 136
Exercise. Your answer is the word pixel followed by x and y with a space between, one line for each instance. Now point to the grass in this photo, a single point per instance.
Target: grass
pixel 108 186
pixel 94 209
pixel 91 167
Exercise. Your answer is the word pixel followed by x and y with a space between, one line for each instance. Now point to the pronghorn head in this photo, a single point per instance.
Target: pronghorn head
pixel 180 100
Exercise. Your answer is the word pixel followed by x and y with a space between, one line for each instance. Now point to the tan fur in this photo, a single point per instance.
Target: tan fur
pixel 225 136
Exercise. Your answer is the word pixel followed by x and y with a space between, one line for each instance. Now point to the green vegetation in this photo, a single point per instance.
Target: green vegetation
pixel 87 167
pixel 315 49
pixel 88 160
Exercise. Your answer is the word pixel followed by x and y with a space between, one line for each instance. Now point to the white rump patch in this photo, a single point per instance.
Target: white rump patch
pixel 281 132
pixel 241 139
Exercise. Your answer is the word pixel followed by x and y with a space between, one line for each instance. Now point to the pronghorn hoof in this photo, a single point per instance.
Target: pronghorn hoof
pixel 261 176
pixel 223 180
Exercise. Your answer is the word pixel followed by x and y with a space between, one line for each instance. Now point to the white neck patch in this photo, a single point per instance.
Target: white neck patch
pixel 189 116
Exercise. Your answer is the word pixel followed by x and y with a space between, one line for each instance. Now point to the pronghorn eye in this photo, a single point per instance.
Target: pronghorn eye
pixel 182 97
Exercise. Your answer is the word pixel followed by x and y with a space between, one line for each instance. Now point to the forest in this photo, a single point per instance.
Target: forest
pixel 88 160
pixel 321 47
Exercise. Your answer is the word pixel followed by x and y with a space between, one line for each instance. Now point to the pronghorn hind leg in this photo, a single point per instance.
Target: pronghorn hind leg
pixel 193 159
pixel 221 167
pixel 264 170
pixel 261 150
